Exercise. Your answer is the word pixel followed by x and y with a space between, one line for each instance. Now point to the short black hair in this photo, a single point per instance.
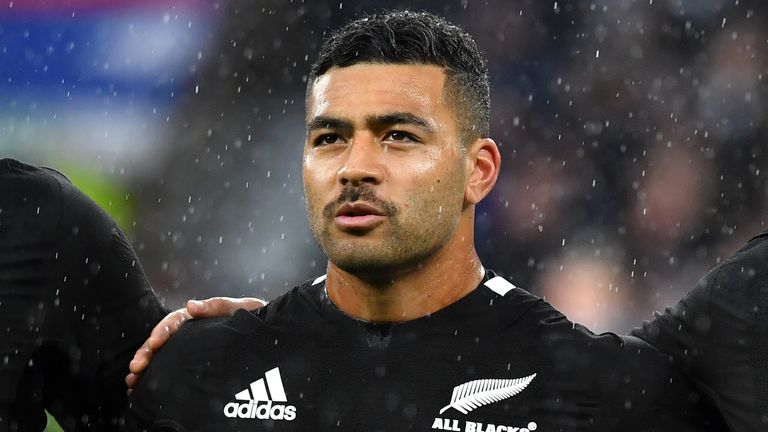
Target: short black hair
pixel 406 37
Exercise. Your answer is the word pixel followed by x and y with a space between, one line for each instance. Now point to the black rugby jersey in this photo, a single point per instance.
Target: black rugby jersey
pixel 74 305
pixel 499 359
pixel 718 335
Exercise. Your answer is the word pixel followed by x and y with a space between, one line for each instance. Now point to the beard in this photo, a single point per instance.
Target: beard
pixel 412 235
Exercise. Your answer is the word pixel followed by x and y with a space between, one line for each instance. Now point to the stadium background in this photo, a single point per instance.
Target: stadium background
pixel 632 133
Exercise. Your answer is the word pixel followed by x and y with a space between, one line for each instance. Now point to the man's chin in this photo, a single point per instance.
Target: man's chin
pixel 366 263
pixel 360 266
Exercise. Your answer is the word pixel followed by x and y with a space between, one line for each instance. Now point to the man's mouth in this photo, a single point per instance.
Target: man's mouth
pixel 358 215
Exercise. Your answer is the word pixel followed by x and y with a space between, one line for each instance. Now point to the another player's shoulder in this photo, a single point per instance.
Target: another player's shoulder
pixel 39 197
pixel 32 203
pixel 756 247
pixel 24 179
pixel 745 268
pixel 23 185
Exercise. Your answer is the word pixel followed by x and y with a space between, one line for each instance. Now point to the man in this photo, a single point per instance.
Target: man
pixel 407 330
pixel 74 305
pixel 718 336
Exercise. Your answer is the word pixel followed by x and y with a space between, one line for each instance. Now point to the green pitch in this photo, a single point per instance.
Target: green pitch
pixel 52 425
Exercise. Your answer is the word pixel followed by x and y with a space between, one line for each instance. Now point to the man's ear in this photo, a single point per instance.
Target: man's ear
pixel 483 164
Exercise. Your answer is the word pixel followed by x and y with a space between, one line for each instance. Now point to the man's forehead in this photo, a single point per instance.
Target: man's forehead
pixel 377 87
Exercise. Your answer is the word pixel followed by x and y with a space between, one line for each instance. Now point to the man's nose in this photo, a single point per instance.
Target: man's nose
pixel 363 163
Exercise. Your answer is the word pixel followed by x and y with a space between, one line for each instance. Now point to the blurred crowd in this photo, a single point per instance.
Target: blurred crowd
pixel 632 136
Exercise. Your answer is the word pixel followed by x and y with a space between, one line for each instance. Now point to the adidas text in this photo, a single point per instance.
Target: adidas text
pixel 260 410
pixel 262 400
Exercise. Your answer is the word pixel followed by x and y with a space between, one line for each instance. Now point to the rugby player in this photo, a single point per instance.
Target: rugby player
pixel 407 330
pixel 74 305
pixel 716 334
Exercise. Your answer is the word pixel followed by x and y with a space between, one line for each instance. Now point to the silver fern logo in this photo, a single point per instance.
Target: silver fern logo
pixel 477 393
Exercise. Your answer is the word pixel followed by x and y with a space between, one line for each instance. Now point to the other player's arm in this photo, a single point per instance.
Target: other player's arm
pixel 718 336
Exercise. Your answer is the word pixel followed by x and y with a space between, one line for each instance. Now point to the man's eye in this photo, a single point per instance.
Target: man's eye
pixel 400 137
pixel 327 139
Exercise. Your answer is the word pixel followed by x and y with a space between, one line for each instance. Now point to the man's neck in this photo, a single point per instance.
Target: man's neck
pixel 409 293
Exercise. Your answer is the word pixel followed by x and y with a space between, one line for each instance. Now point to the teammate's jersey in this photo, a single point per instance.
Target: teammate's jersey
pixel 718 335
pixel 499 359
pixel 74 305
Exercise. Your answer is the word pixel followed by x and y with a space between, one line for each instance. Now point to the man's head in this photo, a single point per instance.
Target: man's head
pixel 405 37
pixel 391 169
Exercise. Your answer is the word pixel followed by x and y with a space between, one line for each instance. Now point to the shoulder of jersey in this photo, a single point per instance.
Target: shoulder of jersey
pixel 221 331
pixel 25 176
pixel 564 339
pixel 27 191
pixel 504 297
pixel 293 306
pixel 738 284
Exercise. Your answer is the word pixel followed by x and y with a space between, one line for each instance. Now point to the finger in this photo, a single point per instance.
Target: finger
pixel 166 327
pixel 197 308
pixel 222 306
pixel 157 338
pixel 139 363
pixel 130 380
pixel 140 360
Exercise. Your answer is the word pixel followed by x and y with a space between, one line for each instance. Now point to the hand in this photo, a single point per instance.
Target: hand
pixel 212 307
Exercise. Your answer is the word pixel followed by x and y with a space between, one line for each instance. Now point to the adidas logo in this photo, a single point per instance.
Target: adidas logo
pixel 260 404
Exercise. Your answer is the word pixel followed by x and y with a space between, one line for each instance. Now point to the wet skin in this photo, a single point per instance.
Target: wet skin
pixel 391 190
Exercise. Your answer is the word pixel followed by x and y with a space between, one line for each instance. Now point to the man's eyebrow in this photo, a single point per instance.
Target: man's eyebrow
pixel 325 122
pixel 405 118
pixel 375 121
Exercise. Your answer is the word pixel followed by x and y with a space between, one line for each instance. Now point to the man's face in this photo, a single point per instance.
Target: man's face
pixel 384 172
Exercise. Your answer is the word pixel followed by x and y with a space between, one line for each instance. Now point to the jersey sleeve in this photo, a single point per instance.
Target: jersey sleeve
pixel 181 389
pixel 155 402
pixel 74 301
pixel 667 399
pixel 718 336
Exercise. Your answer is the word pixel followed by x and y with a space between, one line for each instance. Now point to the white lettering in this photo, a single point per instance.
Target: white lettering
pixel 446 424
pixel 482 427
pixel 290 412
pixel 245 410
pixel 261 411
pixel 277 412
pixel 230 410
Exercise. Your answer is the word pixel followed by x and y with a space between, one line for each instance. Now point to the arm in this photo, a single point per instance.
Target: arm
pixel 75 299
pixel 718 336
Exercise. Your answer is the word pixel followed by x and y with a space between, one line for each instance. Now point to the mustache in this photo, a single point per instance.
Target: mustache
pixel 359 193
